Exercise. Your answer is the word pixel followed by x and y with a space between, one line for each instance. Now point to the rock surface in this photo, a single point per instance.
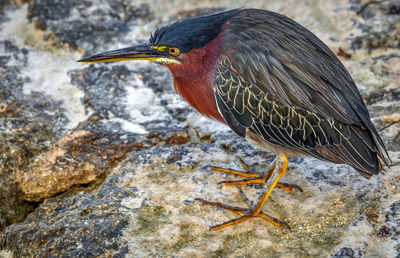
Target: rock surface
pixel 107 160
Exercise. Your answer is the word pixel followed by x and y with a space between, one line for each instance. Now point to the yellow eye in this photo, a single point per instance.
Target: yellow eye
pixel 173 51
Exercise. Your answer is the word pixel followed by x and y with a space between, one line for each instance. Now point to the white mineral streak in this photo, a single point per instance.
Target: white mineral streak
pixel 47 70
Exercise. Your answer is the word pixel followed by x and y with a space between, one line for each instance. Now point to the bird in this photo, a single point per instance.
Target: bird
pixel 275 84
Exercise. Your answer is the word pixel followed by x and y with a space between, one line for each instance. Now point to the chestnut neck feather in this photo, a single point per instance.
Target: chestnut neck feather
pixel 194 77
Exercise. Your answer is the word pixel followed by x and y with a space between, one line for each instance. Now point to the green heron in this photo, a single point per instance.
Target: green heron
pixel 274 83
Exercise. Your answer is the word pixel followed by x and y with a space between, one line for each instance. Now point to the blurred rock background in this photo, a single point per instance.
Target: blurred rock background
pixel 106 160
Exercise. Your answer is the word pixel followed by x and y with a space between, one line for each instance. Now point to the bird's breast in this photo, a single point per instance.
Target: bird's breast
pixel 194 78
pixel 200 95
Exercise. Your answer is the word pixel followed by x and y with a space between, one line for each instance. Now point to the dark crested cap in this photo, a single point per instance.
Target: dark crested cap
pixel 192 33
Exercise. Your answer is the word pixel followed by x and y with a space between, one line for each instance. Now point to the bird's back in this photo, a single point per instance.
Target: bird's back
pixel 278 80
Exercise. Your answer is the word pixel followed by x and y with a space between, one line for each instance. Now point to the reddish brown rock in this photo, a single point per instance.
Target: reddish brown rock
pixel 80 157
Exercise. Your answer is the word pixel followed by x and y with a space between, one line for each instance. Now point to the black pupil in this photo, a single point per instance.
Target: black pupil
pixel 172 50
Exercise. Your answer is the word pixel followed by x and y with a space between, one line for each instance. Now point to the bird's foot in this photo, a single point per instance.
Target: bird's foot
pixel 252 177
pixel 245 213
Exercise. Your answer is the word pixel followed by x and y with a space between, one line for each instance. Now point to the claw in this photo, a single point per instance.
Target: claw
pixel 289 187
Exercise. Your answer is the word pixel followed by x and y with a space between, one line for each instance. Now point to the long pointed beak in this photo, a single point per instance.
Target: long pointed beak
pixel 140 52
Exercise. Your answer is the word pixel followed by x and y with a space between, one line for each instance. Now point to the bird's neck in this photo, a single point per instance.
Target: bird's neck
pixel 194 78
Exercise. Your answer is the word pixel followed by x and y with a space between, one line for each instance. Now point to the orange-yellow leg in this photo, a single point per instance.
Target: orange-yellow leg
pixel 253 177
pixel 280 167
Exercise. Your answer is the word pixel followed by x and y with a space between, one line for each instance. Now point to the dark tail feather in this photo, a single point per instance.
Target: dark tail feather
pixel 354 146
pixel 380 146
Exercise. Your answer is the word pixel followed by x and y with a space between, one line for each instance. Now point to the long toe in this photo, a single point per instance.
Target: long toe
pixel 244 174
pixel 251 175
pixel 245 214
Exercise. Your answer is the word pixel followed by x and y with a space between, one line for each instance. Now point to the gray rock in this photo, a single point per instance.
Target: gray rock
pixel 86 24
pixel 379 22
pixel 94 226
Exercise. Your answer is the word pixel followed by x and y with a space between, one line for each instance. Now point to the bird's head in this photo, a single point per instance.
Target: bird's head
pixel 171 44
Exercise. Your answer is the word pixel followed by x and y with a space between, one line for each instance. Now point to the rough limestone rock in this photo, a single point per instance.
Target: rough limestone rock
pixel 106 160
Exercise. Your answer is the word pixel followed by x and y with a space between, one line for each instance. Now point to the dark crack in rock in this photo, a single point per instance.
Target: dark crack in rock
pixel 86 24
pixel 168 137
